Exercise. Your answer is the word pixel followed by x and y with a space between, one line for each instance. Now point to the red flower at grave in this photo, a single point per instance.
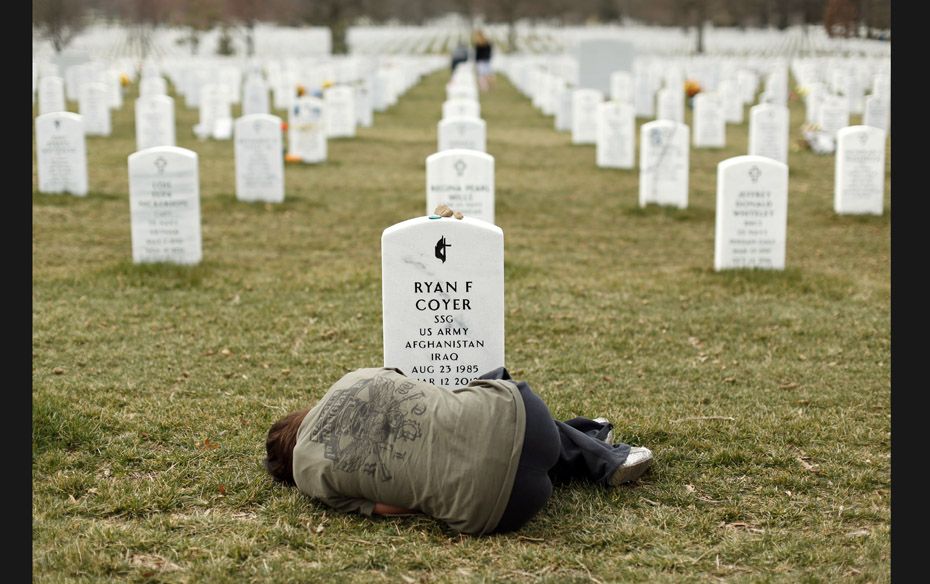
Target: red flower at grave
pixel 692 88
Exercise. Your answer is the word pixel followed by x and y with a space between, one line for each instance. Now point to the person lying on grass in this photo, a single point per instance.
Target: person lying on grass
pixel 481 458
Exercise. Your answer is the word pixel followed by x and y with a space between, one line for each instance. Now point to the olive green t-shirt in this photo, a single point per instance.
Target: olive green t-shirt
pixel 380 437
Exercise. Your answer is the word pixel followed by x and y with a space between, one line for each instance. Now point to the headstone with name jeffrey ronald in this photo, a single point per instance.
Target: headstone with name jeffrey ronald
pixel 95 109
pixel 462 180
pixel 616 140
pixel 340 111
pixel 306 130
pixel 752 213
pixel 859 186
pixel 663 163
pixel 164 202
pixel 710 125
pixel 443 298
pixel 469 133
pixel 768 131
pixel 259 163
pixel 584 115
pixel 154 121
pixel 61 155
pixel 51 95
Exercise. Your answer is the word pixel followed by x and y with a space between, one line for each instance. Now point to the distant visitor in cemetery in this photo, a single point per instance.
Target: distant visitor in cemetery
pixel 483 60
pixel 482 458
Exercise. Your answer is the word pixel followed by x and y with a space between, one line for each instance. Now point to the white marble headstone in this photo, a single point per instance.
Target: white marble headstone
pixel 710 125
pixel 461 108
pixel 259 159
pixel 152 86
pixel 663 163
pixel 364 107
pixel 616 139
pixel 468 133
pixel 876 112
pixel 732 101
pixel 670 105
pixel 768 131
pixel 584 115
pixel 94 107
pixel 644 96
pixel 563 112
pixel 215 112
pixel 621 87
pixel 51 95
pixel 443 298
pixel 860 170
pixel 164 201
pixel 61 155
pixel 833 114
pixel 306 129
pixel 752 213
pixel 255 96
pixel 154 121
pixel 463 180
pixel 340 111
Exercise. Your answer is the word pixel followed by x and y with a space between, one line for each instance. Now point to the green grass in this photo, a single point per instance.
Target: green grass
pixel 764 395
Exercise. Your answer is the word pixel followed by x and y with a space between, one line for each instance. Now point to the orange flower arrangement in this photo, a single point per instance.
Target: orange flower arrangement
pixel 692 88
pixel 301 91
pixel 292 158
pixel 124 80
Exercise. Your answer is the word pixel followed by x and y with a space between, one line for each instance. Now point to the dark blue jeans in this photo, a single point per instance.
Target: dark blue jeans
pixel 554 452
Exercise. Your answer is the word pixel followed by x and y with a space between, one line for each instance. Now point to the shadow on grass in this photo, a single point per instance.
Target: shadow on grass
pixel 673 213
pixel 157 276
pixel 778 282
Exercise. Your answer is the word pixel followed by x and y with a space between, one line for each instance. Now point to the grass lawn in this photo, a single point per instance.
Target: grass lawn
pixel 764 395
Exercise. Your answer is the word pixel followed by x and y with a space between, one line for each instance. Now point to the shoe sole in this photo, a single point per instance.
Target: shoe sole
pixel 627 474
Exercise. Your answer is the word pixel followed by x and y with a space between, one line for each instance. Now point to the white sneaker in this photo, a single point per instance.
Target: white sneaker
pixel 609 439
pixel 638 461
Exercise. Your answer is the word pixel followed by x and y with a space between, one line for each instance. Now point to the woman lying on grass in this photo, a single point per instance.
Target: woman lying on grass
pixel 481 458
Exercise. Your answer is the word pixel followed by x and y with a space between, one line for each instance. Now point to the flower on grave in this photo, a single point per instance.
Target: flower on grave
pixel 816 140
pixel 124 80
pixel 301 91
pixel 292 158
pixel 801 90
pixel 284 126
pixel 327 84
pixel 692 88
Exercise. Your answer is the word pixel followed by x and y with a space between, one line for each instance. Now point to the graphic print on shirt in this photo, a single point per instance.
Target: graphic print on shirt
pixel 364 434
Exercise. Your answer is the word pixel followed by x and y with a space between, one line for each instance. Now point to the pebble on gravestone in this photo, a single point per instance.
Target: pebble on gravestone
pixel 463 180
pixel 768 131
pixel 467 133
pixel 61 155
pixel 663 164
pixel 859 183
pixel 616 141
pixel 751 214
pixel 259 164
pixel 164 202
pixel 443 298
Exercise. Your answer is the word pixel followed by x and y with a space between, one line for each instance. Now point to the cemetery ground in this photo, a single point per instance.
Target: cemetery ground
pixel 765 396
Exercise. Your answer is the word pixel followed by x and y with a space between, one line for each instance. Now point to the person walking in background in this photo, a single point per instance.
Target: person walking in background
pixel 483 60
pixel 459 55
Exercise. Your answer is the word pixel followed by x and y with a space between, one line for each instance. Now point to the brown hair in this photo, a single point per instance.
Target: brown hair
pixel 280 446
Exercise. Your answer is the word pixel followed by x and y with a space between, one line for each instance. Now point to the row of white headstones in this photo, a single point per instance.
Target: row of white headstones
pixel 163 179
pixel 752 190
